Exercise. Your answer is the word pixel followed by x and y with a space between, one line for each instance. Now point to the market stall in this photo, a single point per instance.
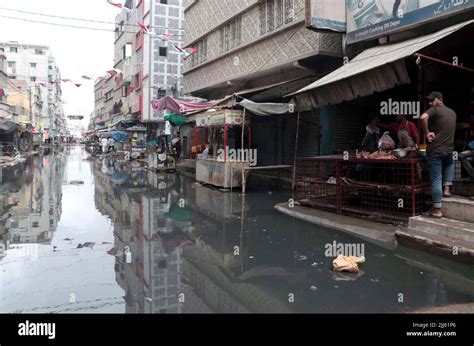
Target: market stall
pixel 221 162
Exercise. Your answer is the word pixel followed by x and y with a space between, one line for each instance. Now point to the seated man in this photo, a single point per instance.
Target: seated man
pixel 372 136
pixel 466 157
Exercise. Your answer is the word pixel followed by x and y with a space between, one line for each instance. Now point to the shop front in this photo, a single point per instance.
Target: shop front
pixel 223 156
pixel 388 81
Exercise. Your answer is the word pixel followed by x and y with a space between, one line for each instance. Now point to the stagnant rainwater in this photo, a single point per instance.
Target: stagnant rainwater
pixel 84 235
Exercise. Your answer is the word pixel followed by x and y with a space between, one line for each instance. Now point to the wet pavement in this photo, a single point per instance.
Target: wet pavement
pixel 85 235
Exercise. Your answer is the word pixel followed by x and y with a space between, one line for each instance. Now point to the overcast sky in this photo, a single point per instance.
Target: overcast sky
pixel 77 51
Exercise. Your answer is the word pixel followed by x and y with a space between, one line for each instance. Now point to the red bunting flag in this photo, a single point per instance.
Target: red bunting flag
pixel 114 72
pixel 119 5
pixel 187 52
pixel 66 80
pixel 88 77
pixel 143 28
pixel 78 85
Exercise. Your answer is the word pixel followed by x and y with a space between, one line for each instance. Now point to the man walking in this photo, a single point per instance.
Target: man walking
pixel 439 126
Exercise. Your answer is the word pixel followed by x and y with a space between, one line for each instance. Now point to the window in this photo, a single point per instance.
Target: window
pixel 33 65
pixel 35 224
pixel 160 94
pixel 11 64
pixel 163 51
pixel 38 51
pixel 13 50
pixel 50 67
pixel 33 79
pixel 201 55
pixel 274 14
pixel 2 50
pixel 231 35
pixel 127 51
pixel 164 2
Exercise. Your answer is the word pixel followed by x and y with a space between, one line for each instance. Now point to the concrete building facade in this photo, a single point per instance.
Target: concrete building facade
pixel 151 67
pixel 36 65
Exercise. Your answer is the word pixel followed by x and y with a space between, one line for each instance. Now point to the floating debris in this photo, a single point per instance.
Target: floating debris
pixel 251 257
pixel 301 258
pixel 374 280
pixel 314 265
pixel 68 239
pixel 88 244
pixel 313 288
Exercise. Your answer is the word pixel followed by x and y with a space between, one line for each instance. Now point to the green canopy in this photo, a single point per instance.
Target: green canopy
pixel 175 120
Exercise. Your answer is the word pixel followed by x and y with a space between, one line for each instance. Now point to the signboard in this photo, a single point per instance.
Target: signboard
pixel 75 117
pixel 214 117
pixel 369 19
pixel 326 15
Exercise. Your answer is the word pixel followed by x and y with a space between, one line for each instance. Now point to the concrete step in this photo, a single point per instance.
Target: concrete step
pixel 438 245
pixel 454 229
pixel 459 208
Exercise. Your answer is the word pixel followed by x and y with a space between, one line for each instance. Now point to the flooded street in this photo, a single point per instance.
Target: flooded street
pixel 68 221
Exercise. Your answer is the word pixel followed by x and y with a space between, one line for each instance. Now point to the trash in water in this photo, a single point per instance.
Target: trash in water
pixel 264 230
pixel 313 288
pixel 379 255
pixel 374 280
pixel 88 244
pixel 314 265
pixel 347 264
pixel 251 257
pixel 68 239
pixel 301 257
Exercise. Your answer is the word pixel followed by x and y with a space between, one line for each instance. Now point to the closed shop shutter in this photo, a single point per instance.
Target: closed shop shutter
pixel 350 130
pixel 308 142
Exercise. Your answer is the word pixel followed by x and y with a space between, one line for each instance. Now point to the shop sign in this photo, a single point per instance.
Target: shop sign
pixel 369 19
pixel 326 15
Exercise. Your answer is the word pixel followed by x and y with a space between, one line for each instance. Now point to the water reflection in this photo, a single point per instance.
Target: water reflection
pixel 196 249
pixel 192 249
pixel 31 201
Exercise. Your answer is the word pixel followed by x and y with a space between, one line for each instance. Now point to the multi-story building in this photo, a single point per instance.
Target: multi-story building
pixel 104 93
pixel 36 65
pixel 262 50
pixel 151 67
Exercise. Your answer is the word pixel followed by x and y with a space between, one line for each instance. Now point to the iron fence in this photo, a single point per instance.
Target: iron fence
pixel 386 189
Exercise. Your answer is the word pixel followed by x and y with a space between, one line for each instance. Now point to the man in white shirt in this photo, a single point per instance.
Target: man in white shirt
pixel 105 145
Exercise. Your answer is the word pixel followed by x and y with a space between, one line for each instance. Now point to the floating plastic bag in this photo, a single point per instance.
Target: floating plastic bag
pixel 347 264
pixel 386 142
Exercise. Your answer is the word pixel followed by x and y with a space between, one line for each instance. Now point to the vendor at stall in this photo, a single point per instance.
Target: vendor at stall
pixel 403 124
pixel 370 142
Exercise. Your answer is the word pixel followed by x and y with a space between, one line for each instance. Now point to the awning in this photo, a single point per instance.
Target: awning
pixel 8 126
pixel 179 106
pixel 374 70
pixel 266 109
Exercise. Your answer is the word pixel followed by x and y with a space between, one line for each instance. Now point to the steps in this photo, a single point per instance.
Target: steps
pixel 451 237
pixel 454 229
pixel 459 208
